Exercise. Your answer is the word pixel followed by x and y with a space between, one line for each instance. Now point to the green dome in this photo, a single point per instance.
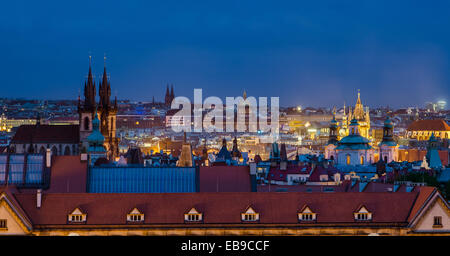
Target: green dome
pixel 96 138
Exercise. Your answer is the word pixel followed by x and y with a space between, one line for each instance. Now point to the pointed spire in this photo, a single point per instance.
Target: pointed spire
pixel 89 88
pixel 359 97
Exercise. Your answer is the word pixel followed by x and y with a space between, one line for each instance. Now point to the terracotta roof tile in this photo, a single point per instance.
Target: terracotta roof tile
pixel 47 134
pixel 68 175
pixel 225 179
pixel 429 125
pixel 218 208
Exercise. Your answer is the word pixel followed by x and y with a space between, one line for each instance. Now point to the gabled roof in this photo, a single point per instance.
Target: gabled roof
pixel 68 175
pixel 429 125
pixel 8 199
pixel 219 208
pixel 43 133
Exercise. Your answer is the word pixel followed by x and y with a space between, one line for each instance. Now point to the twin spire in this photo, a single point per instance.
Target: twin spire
pixel 90 90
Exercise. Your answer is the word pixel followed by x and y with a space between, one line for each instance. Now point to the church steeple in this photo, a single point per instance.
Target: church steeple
pixel 333 136
pixel 105 89
pixel 167 100
pixel 89 88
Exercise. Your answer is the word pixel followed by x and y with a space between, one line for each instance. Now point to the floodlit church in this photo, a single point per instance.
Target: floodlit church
pixel 359 113
pixel 353 149
pixel 73 139
pixel 105 110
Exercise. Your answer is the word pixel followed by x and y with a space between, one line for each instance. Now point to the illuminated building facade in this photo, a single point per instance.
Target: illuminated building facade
pixel 106 111
pixel 359 113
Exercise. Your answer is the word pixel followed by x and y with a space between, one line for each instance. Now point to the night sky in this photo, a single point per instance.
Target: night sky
pixel 309 54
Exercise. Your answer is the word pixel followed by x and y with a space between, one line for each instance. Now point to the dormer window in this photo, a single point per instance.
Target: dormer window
pixel 3 224
pixel 250 215
pixel 193 216
pixel 437 222
pixel 306 214
pixel 363 214
pixel 135 216
pixel 77 216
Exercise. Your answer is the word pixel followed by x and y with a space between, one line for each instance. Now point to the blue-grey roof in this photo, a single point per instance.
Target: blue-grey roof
pixel 444 176
pixel 34 169
pixel 142 180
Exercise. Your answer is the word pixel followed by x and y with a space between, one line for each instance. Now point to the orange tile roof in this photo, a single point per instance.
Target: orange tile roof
pixel 219 208
pixel 429 125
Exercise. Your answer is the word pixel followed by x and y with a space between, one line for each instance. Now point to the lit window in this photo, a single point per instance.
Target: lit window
pixel 135 216
pixel 3 224
pixel 437 223
pixel 348 159
pixel 250 215
pixel 193 215
pixel 363 214
pixel 77 216
pixel 306 214
pixel 362 160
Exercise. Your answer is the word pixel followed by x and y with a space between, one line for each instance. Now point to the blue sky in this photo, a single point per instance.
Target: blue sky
pixel 310 53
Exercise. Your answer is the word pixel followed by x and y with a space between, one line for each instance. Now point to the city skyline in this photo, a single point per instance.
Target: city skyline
pixel 305 54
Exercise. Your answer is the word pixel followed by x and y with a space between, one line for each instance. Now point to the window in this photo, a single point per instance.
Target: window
pixel 363 214
pixel 86 123
pixel 193 215
pixel 306 214
pixel 77 216
pixel 3 224
pixel 250 215
pixel 135 216
pixel 348 160
pixel 437 223
pixel 362 160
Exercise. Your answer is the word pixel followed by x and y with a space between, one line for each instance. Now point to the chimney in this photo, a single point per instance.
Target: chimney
pixel 252 168
pixel 48 158
pixel 38 198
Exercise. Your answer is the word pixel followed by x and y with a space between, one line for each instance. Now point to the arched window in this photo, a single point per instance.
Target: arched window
pixel 54 151
pixel 331 158
pixel 362 160
pixel 348 160
pixel 385 159
pixel 42 150
pixel 86 123
pixel 67 151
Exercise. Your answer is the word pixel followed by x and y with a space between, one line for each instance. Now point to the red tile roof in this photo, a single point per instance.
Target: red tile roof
pixel 47 134
pixel 68 175
pixel 320 170
pixel 429 125
pixel 275 173
pixel 220 208
pixel 225 179
pixel 424 195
